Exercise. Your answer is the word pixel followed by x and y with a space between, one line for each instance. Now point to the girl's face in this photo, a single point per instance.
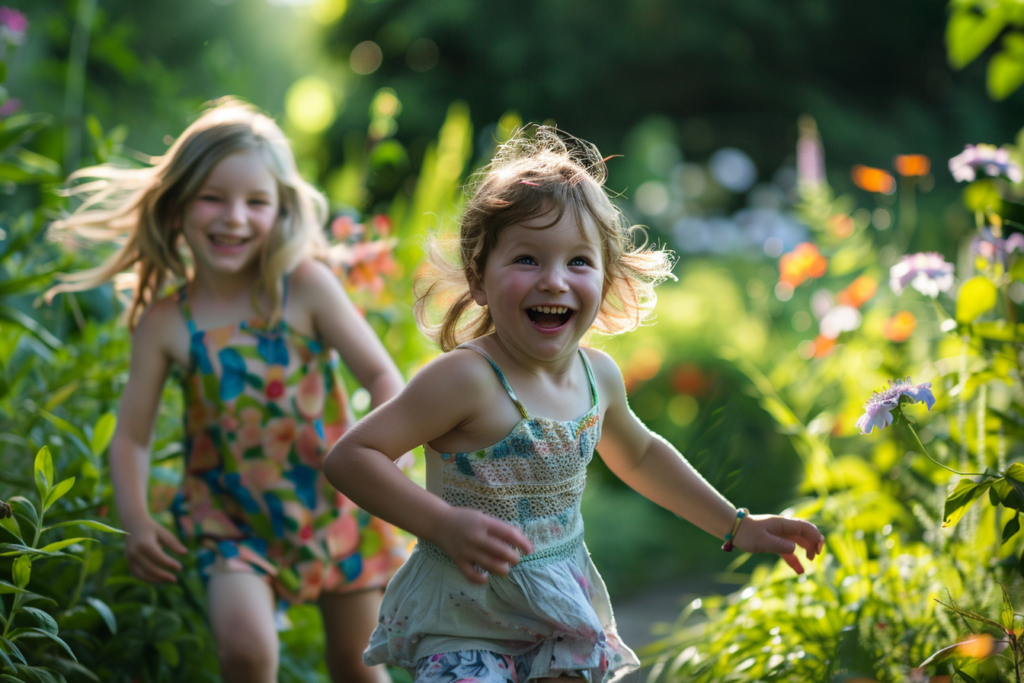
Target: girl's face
pixel 543 285
pixel 227 222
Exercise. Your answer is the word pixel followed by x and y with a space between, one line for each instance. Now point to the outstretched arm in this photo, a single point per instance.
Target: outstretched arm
pixel 655 469
pixel 439 398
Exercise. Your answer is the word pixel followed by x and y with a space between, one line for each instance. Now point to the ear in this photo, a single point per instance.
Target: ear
pixel 479 296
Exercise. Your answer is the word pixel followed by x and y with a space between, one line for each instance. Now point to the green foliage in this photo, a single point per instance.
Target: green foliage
pixel 974 26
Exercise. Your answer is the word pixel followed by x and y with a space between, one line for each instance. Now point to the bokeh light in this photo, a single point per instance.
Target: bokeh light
pixel 652 198
pixel 912 164
pixel 873 179
pixel 328 12
pixel 732 169
pixel 366 57
pixel 309 105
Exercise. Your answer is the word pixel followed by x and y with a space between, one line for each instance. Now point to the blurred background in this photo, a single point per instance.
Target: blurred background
pixel 391 104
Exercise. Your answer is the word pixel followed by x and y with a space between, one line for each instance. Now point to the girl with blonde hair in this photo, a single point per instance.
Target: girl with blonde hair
pixel 252 334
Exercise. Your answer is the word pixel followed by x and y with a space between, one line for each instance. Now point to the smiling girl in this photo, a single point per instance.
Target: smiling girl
pixel 251 334
pixel 500 587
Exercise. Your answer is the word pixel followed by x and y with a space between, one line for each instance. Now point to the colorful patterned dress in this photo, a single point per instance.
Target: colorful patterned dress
pixel 262 406
pixel 551 614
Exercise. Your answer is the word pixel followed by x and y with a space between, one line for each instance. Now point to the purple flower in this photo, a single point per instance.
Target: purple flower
pixel 878 409
pixel 11 106
pixel 13 25
pixel 995 161
pixel 925 271
pixel 993 248
pixel 810 154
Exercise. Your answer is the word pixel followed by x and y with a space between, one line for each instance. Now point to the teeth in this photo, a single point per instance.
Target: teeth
pixel 226 240
pixel 558 310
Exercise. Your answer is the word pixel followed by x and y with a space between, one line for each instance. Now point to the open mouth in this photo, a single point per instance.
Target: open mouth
pixel 227 240
pixel 549 317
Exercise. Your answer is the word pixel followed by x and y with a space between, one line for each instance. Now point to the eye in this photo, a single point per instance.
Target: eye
pixel 579 261
pixel 527 260
pixel 209 198
pixel 259 202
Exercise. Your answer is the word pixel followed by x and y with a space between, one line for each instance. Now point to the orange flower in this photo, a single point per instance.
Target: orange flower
pixel 873 179
pixel 823 346
pixel 369 261
pixel 899 327
pixel 805 261
pixel 278 437
pixel 977 646
pixel 858 293
pixel 912 164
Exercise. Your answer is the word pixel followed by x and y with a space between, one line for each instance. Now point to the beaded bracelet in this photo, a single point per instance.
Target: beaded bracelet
pixel 740 514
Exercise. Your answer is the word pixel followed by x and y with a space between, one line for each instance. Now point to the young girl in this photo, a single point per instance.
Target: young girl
pixel 251 335
pixel 500 586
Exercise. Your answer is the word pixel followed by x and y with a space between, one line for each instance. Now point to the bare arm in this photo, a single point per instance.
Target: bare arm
pixel 656 470
pixel 340 325
pixel 130 452
pixel 442 396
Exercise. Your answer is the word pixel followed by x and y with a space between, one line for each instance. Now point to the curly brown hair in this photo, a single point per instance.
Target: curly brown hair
pixel 539 170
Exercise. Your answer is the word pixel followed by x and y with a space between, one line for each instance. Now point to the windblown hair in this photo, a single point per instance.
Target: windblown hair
pixel 540 170
pixel 141 208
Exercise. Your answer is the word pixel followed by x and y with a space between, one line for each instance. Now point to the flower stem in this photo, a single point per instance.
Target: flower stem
pixel 926 454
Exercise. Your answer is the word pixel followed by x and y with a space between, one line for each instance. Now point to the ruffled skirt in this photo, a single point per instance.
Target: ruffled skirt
pixel 554 607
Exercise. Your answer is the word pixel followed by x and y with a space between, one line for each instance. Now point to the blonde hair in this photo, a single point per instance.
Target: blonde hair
pixel 539 170
pixel 140 208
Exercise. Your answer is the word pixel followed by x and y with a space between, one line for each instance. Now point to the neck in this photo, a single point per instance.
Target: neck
pixel 224 287
pixel 556 368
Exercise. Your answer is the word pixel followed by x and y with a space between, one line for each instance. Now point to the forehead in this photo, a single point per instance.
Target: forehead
pixel 246 168
pixel 571 228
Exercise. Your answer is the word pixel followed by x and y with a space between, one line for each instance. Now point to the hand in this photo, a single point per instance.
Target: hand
pixel 479 543
pixel 146 555
pixel 774 534
pixel 406 462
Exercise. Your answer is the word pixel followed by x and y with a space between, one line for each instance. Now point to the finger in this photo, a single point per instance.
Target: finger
pixel 154 555
pixel 498 551
pixel 808 544
pixel 791 560
pixel 511 535
pixel 471 572
pixel 169 539
pixel 147 571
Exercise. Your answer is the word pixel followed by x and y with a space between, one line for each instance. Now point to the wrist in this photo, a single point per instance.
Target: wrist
pixel 730 538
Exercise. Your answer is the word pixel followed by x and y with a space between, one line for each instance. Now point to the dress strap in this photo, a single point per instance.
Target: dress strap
pixel 590 378
pixel 186 310
pixel 501 376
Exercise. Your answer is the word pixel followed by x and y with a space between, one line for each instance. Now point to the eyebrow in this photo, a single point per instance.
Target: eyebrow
pixel 217 188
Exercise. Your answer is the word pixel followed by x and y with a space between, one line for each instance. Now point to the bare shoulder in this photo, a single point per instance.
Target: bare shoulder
pixel 163 327
pixel 606 371
pixel 460 374
pixel 311 275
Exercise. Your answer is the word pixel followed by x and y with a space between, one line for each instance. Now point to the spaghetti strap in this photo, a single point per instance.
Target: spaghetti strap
pixel 501 376
pixel 590 378
pixel 186 310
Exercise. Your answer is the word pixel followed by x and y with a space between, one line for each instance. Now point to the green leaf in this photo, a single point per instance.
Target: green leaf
pixel 22 570
pixel 90 523
pixel 61 395
pixel 963 496
pixel 13 649
pixel 40 633
pixel 977 296
pixel 13 315
pixel 1006 69
pixel 169 652
pixel 968 34
pixel 11 524
pixel 18 128
pixel 10 588
pixel 967 679
pixel 1006 615
pixel 25 502
pixel 1011 528
pixel 45 621
pixel 1017 269
pixel 999 330
pixel 105 612
pixel 44 463
pixel 64 426
pixel 58 492
pixel 103 433
pixel 60 545
pixel 1015 471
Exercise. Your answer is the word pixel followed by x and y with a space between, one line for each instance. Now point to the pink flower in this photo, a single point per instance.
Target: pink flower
pixel 13 25
pixel 11 106
pixel 279 435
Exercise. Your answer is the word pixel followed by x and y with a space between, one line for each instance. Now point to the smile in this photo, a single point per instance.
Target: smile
pixel 550 317
pixel 227 240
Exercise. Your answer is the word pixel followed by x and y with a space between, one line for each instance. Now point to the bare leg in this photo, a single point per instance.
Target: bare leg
pixel 242 619
pixel 349 619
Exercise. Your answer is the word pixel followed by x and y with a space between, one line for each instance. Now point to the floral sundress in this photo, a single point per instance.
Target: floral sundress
pixel 262 406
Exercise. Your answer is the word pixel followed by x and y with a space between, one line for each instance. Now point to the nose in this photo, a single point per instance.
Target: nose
pixel 235 213
pixel 553 280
